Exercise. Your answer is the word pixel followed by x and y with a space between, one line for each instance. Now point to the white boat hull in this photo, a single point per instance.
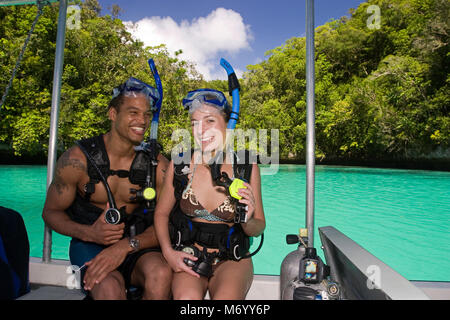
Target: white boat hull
pixel 52 281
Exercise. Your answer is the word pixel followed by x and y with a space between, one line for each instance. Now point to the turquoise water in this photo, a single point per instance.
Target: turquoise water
pixel 400 216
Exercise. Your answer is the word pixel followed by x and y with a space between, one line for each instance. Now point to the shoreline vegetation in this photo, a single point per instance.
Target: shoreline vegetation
pixel 8 158
pixel 381 90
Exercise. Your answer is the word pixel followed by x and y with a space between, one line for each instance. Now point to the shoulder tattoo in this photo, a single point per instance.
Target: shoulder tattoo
pixel 66 161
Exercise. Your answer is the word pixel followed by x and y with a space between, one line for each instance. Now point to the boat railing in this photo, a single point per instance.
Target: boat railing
pixel 54 115
pixel 361 275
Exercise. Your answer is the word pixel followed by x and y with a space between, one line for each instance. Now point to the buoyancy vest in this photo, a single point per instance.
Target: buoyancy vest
pixel 84 212
pixel 231 241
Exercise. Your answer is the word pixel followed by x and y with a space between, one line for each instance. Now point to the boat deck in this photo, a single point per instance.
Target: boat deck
pixel 47 292
pixel 56 280
pixel 264 288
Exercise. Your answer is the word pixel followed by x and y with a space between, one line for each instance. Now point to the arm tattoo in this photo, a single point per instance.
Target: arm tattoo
pixel 63 162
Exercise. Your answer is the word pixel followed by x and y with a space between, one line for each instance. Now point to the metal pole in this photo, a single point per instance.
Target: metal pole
pixel 310 120
pixel 54 116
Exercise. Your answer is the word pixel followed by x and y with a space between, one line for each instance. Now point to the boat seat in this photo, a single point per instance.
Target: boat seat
pixel 14 255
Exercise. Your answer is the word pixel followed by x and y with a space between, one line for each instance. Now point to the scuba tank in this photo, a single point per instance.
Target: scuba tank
pixel 303 275
pixel 290 267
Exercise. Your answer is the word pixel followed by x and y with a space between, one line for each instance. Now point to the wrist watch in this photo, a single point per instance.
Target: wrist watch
pixel 134 244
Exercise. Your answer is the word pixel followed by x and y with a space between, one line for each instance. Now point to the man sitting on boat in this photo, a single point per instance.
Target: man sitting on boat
pixel 95 198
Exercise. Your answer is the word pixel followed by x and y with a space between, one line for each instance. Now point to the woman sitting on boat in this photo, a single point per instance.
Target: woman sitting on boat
pixel 202 235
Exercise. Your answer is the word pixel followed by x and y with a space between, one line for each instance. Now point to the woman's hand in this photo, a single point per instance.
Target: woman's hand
pixel 175 259
pixel 248 199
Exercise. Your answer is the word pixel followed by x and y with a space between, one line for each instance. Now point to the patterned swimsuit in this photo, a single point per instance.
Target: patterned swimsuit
pixel 193 208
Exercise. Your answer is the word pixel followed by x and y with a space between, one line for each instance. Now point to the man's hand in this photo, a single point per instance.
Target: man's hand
pixel 105 262
pixel 105 233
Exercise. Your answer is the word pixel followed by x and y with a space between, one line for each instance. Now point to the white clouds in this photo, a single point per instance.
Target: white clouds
pixel 202 40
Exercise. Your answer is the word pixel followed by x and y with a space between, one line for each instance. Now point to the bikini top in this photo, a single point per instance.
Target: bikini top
pixel 194 209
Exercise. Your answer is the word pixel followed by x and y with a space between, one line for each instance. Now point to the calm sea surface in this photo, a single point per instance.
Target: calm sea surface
pixel 400 216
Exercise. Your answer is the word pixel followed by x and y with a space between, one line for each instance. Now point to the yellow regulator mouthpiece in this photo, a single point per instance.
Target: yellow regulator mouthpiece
pixel 149 194
pixel 234 188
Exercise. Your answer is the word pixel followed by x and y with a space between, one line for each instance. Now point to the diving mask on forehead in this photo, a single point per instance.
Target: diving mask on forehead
pixel 195 99
pixel 135 86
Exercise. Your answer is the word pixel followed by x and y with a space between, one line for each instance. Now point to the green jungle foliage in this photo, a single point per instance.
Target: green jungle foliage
pixel 381 93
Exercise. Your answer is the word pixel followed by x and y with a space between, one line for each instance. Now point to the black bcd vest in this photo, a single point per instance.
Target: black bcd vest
pixel 84 212
pixel 183 231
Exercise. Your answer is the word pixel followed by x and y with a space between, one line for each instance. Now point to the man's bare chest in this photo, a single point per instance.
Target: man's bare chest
pixel 120 188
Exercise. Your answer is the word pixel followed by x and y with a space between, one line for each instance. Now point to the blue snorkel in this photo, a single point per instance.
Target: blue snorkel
pixel 221 178
pixel 155 119
pixel 233 89
pixel 151 147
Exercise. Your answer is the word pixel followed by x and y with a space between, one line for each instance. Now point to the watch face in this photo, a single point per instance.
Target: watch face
pixel 134 243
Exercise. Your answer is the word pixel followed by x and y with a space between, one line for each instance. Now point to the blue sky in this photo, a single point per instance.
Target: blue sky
pixel 241 31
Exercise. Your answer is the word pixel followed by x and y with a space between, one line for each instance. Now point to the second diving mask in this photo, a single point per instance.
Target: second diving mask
pixel 215 98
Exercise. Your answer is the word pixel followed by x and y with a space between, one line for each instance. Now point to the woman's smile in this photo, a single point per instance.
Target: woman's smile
pixel 209 128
